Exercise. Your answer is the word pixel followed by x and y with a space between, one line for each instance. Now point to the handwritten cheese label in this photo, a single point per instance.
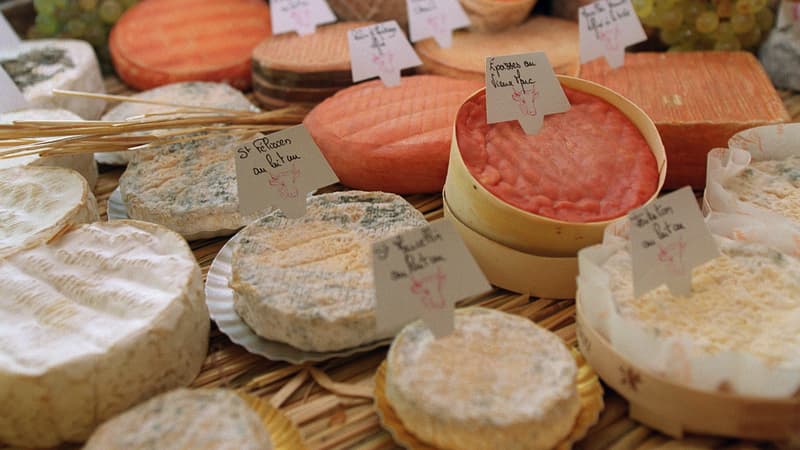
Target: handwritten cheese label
pixel 436 19
pixel 8 37
pixel 668 239
pixel 279 170
pixel 523 88
pixel 380 50
pixel 788 15
pixel 301 16
pixel 11 99
pixel 606 28
pixel 422 273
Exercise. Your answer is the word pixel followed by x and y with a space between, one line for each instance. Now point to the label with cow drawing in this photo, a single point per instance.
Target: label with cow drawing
pixel 436 19
pixel 607 27
pixel 668 239
pixel 279 170
pixel 422 273
pixel 301 16
pixel 523 88
pixel 380 50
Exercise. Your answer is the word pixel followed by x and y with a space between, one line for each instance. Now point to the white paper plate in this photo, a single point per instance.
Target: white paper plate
pixel 116 208
pixel 219 298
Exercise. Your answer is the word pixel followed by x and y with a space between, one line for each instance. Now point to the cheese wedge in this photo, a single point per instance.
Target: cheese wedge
pixel 37 203
pixel 101 318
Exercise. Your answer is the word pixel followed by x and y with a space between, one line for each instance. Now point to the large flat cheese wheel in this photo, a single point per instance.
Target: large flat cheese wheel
pixel 498 381
pixel 198 419
pixel 390 139
pixel 308 282
pixel 101 318
pixel 466 58
pixel 83 163
pixel 158 42
pixel 39 66
pixel 37 203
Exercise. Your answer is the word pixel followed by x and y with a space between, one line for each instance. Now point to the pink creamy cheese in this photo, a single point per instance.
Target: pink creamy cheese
pixel 586 165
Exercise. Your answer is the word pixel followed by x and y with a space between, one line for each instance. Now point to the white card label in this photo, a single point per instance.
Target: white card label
pixel 422 273
pixel 8 37
pixel 380 50
pixel 788 14
pixel 668 239
pixel 301 16
pixel 523 88
pixel 279 170
pixel 436 19
pixel 11 99
pixel 607 27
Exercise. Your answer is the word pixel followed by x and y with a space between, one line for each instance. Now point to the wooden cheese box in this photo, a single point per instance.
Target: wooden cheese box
pixel 698 100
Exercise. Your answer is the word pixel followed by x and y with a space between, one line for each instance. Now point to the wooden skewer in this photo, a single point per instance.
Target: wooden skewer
pixel 125 98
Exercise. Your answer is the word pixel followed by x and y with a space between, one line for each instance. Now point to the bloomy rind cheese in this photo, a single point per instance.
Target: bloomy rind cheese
pixel 770 184
pixel 96 321
pixel 499 381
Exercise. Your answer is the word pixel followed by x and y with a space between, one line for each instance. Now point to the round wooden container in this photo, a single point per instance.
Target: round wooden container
pixel 531 233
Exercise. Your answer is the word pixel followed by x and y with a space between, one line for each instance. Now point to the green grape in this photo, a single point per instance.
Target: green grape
pixel 681 47
pixel 670 37
pixel 765 18
pixel 128 3
pixel 47 7
pixel 707 22
pixel 671 19
pixel 60 4
pixel 46 24
pixel 643 8
pixel 750 6
pixel 87 5
pixel 727 43
pixel 750 39
pixel 724 29
pixel 742 23
pixel 651 20
pixel 96 34
pixel 109 11
pixel 724 8
pixel 75 28
pixel 665 5
pixel 692 10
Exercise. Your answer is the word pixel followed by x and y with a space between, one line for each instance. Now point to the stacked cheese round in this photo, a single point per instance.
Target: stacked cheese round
pixel 497 382
pixel 99 319
pixel 308 282
pixel 373 10
pixel 497 15
pixel 210 419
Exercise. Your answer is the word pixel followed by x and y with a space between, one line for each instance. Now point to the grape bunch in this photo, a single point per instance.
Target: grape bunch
pixel 90 20
pixel 726 25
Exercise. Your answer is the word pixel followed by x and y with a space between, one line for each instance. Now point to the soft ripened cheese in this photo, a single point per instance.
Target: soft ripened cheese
pixel 83 163
pixel 39 66
pixel 201 419
pixel 497 382
pixel 37 203
pixel 770 184
pixel 105 316
pixel 215 95
pixel 308 281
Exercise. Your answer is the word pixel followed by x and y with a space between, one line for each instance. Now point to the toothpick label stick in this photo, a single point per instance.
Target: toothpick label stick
pixel 436 19
pixel 607 27
pixel 11 98
pixel 302 16
pixel 380 50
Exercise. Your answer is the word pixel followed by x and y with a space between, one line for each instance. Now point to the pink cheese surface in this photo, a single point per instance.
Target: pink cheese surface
pixel 586 165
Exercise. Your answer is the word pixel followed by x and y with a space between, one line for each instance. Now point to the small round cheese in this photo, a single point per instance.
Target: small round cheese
pixel 308 282
pixel 101 318
pixel 202 419
pixel 37 203
pixel 497 382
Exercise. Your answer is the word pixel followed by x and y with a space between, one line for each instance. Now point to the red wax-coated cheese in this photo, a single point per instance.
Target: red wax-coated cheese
pixel 392 139
pixel 588 164
pixel 158 42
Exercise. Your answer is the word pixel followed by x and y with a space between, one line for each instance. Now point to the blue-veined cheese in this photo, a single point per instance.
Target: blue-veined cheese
pixel 772 184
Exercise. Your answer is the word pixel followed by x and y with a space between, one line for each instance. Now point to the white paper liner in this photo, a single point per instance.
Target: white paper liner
pixel 219 298
pixel 670 357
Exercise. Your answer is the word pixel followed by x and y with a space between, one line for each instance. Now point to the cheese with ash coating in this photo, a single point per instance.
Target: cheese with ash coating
pixel 308 282
pixel 98 320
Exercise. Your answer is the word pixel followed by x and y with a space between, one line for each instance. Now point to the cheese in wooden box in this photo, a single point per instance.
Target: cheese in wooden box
pixel 698 100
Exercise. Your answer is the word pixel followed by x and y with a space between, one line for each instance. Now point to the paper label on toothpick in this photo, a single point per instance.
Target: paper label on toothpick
pixel 607 27
pixel 422 273
pixel 302 16
pixel 11 98
pixel 380 50
pixel 668 239
pixel 279 170
pixel 436 19
pixel 523 88
pixel 8 37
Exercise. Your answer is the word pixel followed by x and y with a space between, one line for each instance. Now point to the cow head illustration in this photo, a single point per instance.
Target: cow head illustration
pixel 384 62
pixel 610 38
pixel 672 256
pixel 429 289
pixel 302 18
pixel 526 100
pixel 437 23
pixel 286 182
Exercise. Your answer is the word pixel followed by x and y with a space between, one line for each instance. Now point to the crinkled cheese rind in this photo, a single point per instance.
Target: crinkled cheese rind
pixel 80 71
pixel 83 163
pixel 498 381
pixel 308 282
pixel 201 419
pixel 195 93
pixel 37 203
pixel 770 184
pixel 98 320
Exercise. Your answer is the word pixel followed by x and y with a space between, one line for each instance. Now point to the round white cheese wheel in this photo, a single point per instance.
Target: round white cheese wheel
pixel 37 203
pixel 201 419
pixel 308 282
pixel 498 381
pixel 81 163
pixel 105 316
